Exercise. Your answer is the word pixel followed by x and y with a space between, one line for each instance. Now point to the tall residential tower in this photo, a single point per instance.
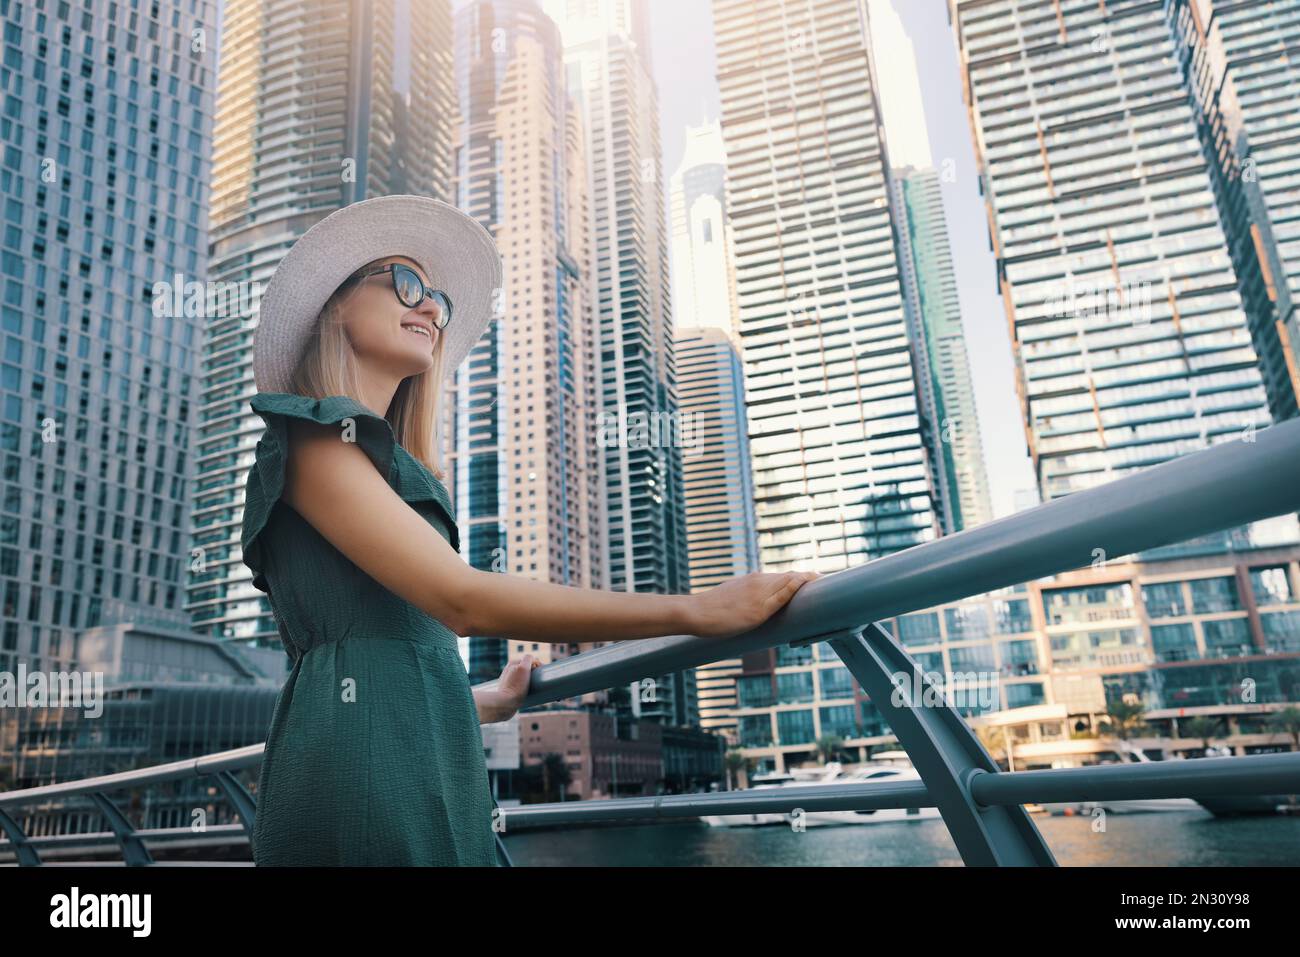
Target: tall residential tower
pixel 841 471
pixel 608 60
pixel 1132 342
pixel 524 461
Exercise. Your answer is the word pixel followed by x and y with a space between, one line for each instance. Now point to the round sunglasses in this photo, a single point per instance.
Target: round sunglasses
pixel 411 290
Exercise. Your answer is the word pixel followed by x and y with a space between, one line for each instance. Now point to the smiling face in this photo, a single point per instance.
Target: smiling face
pixel 384 333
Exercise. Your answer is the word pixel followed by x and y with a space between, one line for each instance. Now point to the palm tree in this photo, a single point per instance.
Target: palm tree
pixel 735 762
pixel 1123 720
pixel 555 773
pixel 997 741
pixel 1287 721
pixel 1203 727
pixel 828 746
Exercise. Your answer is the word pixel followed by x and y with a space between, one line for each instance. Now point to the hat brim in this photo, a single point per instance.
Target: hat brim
pixel 456 253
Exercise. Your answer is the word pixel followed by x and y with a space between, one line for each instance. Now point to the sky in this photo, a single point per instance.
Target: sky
pixel 924 113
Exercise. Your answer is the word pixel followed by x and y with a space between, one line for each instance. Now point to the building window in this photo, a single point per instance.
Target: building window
pixel 1013 616
pixel 1272 585
pixel 755 730
pixel 1214 594
pixel 794 727
pixel 919 629
pixel 1164 600
pixel 1174 642
pixel 1228 638
pixel 794 688
pixel 1281 630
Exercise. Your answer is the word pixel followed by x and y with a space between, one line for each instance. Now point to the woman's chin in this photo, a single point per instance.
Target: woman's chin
pixel 414 361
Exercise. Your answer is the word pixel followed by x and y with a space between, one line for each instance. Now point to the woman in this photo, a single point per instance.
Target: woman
pixel 374 755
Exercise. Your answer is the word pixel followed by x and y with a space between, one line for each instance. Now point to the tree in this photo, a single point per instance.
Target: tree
pixel 828 747
pixel 555 775
pixel 1123 720
pixel 1203 727
pixel 997 741
pixel 1287 721
pixel 737 761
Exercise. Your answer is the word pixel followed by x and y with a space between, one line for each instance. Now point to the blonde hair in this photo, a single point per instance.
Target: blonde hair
pixel 329 367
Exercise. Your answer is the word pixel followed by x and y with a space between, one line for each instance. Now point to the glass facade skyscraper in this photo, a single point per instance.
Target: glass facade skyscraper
pixel 841 472
pixel 1240 62
pixel 1131 339
pixel 943 368
pixel 525 467
pixel 607 56
pixel 719 485
pixel 320 105
pixel 106 128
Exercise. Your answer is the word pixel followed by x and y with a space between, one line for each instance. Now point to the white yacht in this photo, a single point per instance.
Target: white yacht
pixel 796 777
pixel 886 766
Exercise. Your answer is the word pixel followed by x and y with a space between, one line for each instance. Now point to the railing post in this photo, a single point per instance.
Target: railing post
pixel 240 800
pixel 134 853
pixel 944 750
pixel 24 852
pixel 501 852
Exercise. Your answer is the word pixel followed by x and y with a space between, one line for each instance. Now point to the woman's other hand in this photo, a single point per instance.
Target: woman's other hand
pixel 744 603
pixel 512 688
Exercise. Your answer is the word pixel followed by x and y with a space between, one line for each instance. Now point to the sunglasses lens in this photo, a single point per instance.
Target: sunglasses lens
pixel 408 286
pixel 444 308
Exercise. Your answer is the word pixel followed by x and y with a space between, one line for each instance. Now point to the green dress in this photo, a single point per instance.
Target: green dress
pixel 374 755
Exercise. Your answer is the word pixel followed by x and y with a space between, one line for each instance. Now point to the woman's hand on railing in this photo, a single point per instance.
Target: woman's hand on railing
pixel 502 703
pixel 744 603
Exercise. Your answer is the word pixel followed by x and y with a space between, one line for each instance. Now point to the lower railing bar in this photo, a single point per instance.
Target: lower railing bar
pixel 1195 777
pixel 813 797
pixel 108 838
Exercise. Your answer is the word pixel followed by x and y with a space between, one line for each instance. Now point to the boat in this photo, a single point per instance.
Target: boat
pixel 1125 806
pixel 797 777
pixel 1237 805
pixel 886 766
pixel 885 815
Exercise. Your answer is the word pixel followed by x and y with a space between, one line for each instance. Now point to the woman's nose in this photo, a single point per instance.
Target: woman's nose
pixel 429 306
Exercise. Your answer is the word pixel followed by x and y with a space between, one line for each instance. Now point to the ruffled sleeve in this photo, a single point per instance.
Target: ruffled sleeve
pixel 266 478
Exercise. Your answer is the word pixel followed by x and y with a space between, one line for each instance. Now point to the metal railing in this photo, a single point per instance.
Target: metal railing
pixel 1223 487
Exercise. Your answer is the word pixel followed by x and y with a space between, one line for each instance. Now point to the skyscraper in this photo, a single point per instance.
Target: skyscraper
pixel 943 369
pixel 107 128
pixel 721 537
pixel 1131 338
pixel 841 472
pixel 719 491
pixel 607 57
pixel 320 104
pixel 1240 62
pixel 704 262
pixel 524 462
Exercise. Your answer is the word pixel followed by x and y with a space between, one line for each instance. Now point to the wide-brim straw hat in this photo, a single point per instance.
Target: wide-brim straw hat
pixel 456 253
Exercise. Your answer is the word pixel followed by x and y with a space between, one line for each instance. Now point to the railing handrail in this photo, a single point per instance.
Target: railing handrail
pixel 1170 502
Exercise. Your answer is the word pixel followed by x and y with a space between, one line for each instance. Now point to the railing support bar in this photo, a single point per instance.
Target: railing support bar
pixel 24 852
pixel 240 800
pixel 944 751
pixel 134 853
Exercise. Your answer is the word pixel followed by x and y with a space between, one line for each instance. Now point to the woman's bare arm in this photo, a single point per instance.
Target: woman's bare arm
pixel 334 486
